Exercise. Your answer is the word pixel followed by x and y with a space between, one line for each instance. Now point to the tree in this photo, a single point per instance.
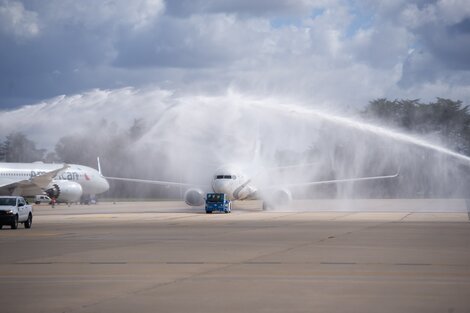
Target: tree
pixel 18 148
pixel 137 129
pixel 446 118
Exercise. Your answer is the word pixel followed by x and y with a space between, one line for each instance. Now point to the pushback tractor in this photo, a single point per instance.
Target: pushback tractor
pixel 218 202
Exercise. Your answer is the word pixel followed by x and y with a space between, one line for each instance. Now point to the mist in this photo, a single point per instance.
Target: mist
pixel 160 134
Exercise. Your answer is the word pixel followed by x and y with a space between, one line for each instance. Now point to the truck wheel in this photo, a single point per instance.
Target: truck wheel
pixel 208 212
pixel 14 224
pixel 29 221
pixel 1 226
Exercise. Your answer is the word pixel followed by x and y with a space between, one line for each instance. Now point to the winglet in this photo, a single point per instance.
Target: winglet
pixel 99 165
pixel 398 170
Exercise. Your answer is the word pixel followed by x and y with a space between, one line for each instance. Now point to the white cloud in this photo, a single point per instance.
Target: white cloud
pixel 446 12
pixel 109 14
pixel 343 52
pixel 18 22
pixel 245 7
pixel 453 11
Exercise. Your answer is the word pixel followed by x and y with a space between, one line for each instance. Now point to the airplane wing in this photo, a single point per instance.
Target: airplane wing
pixel 289 167
pixel 155 182
pixel 334 181
pixel 45 179
pixel 40 181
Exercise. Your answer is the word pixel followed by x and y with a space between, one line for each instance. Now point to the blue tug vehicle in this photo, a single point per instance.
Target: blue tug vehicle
pixel 218 202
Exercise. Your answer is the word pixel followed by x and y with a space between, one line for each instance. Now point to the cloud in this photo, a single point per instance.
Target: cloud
pixel 73 51
pixel 441 49
pixel 341 53
pixel 243 7
pixel 199 41
pixel 17 22
pixel 106 15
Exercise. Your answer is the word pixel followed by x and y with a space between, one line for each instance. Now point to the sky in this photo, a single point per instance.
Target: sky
pixel 331 53
pixel 209 79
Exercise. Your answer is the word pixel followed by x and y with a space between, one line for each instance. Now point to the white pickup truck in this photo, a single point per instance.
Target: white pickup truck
pixel 15 210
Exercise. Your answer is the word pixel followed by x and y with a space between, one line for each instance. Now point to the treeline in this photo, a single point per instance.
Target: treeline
pixel 105 141
pixel 448 119
pixel 18 148
pixel 425 172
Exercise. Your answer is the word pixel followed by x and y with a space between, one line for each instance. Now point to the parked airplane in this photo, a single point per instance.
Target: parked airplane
pixel 65 182
pixel 238 186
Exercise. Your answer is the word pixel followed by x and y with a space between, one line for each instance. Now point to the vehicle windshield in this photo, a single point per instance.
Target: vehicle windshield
pixel 215 197
pixel 7 201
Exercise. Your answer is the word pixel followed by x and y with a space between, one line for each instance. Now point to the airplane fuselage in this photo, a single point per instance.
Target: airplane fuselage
pixel 233 183
pixel 91 180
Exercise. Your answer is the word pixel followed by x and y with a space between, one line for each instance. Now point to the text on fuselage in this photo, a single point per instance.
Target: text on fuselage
pixel 61 176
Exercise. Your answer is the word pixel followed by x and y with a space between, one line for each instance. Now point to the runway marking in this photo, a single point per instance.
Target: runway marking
pixel 404 217
pixel 233 263
pixel 21 234
pixel 302 274
pixel 106 263
pixel 236 217
pixel 339 263
pixel 184 263
pixel 262 262
pixel 413 264
pixel 34 263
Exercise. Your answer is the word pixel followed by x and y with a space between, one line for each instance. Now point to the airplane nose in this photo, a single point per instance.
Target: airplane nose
pixel 105 184
pixel 101 184
pixel 221 186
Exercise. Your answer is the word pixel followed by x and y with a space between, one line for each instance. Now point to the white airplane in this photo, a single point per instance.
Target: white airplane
pixel 64 182
pixel 233 182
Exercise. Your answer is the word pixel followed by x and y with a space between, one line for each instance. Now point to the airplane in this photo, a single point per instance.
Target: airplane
pixel 64 182
pixel 233 182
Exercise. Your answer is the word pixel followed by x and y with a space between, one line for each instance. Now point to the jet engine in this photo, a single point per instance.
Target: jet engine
pixel 64 191
pixel 277 198
pixel 194 197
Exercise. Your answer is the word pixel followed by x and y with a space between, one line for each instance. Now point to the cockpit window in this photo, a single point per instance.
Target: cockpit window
pixel 225 177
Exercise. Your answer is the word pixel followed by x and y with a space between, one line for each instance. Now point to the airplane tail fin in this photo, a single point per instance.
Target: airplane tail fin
pixel 257 152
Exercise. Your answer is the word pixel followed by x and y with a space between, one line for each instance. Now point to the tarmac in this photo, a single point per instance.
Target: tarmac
pixel 317 256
